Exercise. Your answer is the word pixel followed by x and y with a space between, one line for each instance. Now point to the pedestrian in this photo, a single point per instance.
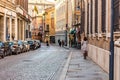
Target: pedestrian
pixel 47 44
pixel 60 43
pixel 84 47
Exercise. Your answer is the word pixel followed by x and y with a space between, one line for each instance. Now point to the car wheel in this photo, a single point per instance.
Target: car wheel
pixel 5 53
pixel 2 56
pixel 9 52
pixel 16 52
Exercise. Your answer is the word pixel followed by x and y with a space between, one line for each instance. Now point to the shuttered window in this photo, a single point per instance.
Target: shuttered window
pixel 103 16
pixel 96 16
pixel 116 15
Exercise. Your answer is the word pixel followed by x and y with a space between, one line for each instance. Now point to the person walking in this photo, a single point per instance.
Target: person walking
pixel 60 43
pixel 47 43
pixel 85 47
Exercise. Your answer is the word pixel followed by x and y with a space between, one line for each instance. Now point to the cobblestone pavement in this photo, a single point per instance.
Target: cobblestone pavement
pixel 80 69
pixel 45 63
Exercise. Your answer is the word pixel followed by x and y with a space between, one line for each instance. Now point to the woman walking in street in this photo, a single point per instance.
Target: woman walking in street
pixel 85 47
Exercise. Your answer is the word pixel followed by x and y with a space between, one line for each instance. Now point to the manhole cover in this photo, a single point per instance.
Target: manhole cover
pixel 27 60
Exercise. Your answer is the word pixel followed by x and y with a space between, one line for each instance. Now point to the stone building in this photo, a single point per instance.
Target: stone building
pixel 41 12
pixel 13 19
pixel 37 30
pixel 7 19
pixel 50 25
pixel 97 23
pixel 23 20
pixel 60 10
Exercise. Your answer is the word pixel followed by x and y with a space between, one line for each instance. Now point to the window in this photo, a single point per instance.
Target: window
pixel 96 16
pixel 47 27
pixel 103 16
pixel 91 17
pixel 116 15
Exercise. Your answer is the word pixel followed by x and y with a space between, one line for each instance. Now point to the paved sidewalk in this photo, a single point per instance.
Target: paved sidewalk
pixel 80 69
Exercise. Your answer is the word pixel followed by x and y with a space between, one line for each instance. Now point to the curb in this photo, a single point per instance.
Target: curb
pixel 64 71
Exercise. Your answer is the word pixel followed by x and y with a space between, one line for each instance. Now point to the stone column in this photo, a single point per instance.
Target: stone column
pixel 89 18
pixel 99 18
pixel 16 28
pixel 93 17
pixel 86 6
pixel 11 28
pixel 23 30
pixel 5 26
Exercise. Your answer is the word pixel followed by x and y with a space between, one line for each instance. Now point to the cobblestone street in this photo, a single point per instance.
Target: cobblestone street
pixel 45 63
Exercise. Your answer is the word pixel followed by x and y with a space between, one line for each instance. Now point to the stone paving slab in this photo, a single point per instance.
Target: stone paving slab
pixel 80 69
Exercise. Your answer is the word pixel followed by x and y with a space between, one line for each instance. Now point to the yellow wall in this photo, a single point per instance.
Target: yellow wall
pixel 49 21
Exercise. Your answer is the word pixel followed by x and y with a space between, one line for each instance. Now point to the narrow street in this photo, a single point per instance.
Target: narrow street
pixel 45 63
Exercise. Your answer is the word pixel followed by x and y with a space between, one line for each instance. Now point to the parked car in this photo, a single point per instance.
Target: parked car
pixel 15 47
pixel 38 43
pixel 27 45
pixel 2 50
pixel 32 44
pixel 22 46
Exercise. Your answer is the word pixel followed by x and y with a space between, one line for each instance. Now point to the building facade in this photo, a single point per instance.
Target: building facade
pixel 50 25
pixel 9 15
pixel 97 24
pixel 37 30
pixel 60 11
pixel 7 19
pixel 23 20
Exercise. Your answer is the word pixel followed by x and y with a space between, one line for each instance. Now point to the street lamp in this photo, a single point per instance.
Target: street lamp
pixel 111 60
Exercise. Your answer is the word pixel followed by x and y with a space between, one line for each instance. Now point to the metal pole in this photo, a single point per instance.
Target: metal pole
pixel 81 17
pixel 66 32
pixel 111 61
